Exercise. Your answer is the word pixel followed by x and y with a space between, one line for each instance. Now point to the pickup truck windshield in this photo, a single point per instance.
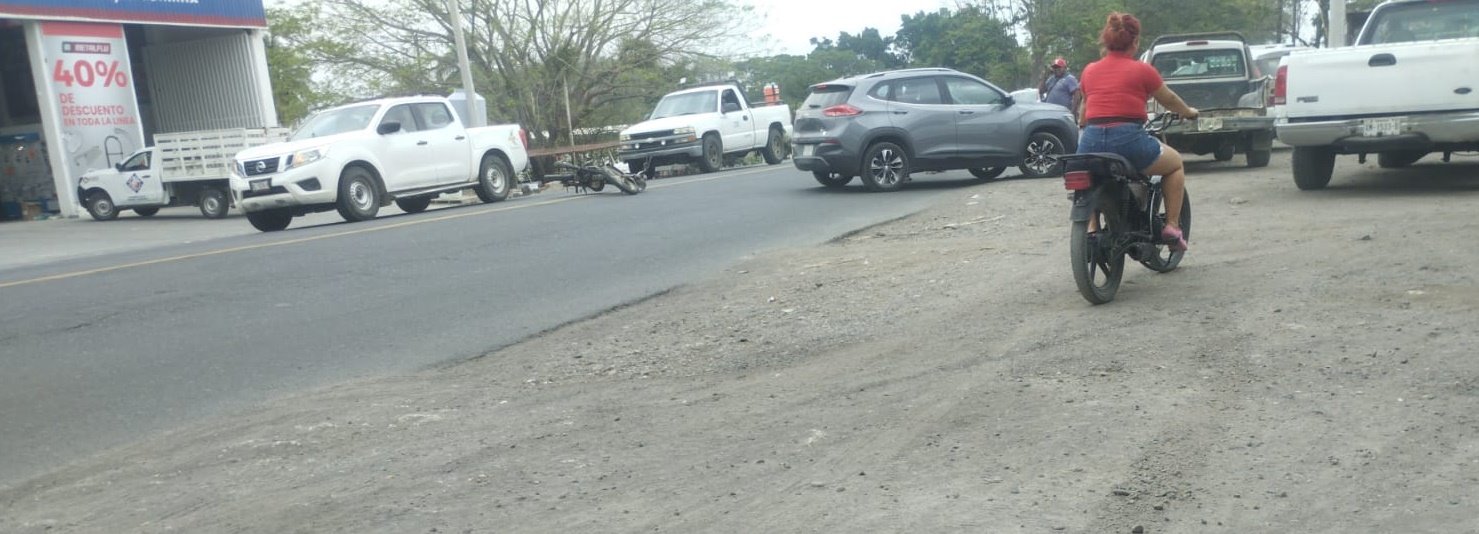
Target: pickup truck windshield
pixel 1427 21
pixel 686 104
pixel 336 122
pixel 1225 63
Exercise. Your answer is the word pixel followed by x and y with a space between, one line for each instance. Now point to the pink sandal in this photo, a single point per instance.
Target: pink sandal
pixel 1172 237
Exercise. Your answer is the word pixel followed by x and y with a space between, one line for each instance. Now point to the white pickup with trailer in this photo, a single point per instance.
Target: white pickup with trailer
pixel 358 157
pixel 181 169
pixel 703 124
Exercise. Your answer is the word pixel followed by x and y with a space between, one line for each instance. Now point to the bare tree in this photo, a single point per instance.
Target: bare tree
pixel 524 54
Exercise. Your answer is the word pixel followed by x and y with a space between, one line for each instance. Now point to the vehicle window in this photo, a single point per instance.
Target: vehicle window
pixel 403 115
pixel 882 91
pixel 1200 64
pixel 685 104
pixel 730 98
pixel 1425 21
pixel 434 115
pixel 1266 66
pixel 826 96
pixel 140 162
pixel 337 121
pixel 969 92
pixel 917 91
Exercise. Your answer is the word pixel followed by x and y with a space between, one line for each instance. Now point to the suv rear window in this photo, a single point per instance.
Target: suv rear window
pixel 826 96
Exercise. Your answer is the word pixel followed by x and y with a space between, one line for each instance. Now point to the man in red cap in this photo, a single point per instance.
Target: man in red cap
pixel 1061 88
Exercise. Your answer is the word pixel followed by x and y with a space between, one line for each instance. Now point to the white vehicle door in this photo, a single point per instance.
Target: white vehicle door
pixel 449 147
pixel 403 152
pixel 136 183
pixel 735 125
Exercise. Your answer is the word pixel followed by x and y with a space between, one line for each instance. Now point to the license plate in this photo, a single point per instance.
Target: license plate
pixel 1381 127
pixel 260 185
pixel 1209 124
pixel 805 150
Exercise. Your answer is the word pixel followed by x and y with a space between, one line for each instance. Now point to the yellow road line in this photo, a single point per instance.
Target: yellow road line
pixel 448 217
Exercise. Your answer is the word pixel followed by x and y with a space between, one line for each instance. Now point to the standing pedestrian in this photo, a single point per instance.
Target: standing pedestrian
pixel 1061 88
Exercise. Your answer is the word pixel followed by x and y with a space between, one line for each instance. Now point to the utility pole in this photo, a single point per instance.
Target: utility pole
pixel 1336 24
pixel 454 11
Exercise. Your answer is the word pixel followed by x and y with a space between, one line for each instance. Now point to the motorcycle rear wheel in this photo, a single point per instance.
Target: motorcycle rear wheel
pixel 1096 268
pixel 1165 260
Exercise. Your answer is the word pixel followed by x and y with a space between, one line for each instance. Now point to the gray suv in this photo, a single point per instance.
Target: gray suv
pixel 887 125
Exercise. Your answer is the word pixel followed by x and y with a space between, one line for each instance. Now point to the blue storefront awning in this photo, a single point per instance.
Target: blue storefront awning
pixel 227 13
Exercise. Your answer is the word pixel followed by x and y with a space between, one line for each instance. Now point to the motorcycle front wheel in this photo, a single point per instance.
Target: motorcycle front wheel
pixel 1097 268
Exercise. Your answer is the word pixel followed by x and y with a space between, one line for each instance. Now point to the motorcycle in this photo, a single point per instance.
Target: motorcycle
pixel 1118 212
pixel 590 177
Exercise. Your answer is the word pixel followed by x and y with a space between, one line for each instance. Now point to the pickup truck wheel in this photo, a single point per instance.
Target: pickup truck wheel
pixel 101 206
pixel 713 158
pixel 885 167
pixel 774 151
pixel 146 212
pixel 270 220
pixel 987 173
pixel 359 199
pixel 1312 167
pixel 831 179
pixel 1258 158
pixel 413 204
pixel 1225 152
pixel 494 179
pixel 213 203
pixel 1040 159
pixel 1397 159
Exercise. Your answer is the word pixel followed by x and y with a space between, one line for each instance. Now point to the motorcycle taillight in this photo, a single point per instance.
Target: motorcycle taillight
pixel 1077 180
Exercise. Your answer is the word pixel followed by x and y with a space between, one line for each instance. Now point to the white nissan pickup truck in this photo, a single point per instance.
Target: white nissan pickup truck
pixel 359 157
pixel 1409 87
pixel 704 123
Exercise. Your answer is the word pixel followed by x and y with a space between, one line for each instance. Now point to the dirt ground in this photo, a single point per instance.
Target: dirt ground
pixel 1308 369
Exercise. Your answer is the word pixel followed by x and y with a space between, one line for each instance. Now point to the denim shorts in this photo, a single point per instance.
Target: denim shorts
pixel 1128 140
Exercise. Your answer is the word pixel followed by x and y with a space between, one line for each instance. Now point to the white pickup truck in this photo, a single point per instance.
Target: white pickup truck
pixel 1409 87
pixel 181 169
pixel 359 157
pixel 703 124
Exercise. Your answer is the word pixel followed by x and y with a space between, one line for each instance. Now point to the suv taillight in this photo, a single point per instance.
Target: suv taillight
pixel 844 110
pixel 1281 86
pixel 1077 180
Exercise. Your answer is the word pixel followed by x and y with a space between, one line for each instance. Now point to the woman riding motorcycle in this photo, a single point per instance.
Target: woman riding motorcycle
pixel 1113 114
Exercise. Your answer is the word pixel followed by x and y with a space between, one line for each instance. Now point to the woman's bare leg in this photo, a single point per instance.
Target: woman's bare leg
pixel 1173 182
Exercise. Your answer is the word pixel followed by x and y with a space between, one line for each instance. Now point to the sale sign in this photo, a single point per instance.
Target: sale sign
pixel 89 82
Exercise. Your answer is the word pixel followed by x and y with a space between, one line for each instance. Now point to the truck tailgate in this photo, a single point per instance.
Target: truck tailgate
pixel 1387 79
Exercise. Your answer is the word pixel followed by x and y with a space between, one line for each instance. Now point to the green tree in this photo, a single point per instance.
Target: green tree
pixel 973 39
pixel 290 65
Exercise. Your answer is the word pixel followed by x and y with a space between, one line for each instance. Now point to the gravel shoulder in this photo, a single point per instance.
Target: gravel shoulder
pixel 1309 368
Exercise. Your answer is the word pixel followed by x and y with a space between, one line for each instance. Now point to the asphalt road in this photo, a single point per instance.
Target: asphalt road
pixel 105 350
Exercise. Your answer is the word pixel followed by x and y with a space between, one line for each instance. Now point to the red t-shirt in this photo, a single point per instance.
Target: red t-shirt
pixel 1118 86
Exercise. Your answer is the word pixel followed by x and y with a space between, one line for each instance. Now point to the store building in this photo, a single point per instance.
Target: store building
pixel 85 83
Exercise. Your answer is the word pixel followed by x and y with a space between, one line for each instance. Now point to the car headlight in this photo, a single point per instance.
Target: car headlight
pixel 686 130
pixel 304 157
pixel 625 137
pixel 236 169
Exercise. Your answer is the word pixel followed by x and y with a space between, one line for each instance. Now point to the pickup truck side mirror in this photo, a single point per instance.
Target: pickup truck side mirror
pixel 730 107
pixel 389 127
pixel 1009 101
pixel 118 166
